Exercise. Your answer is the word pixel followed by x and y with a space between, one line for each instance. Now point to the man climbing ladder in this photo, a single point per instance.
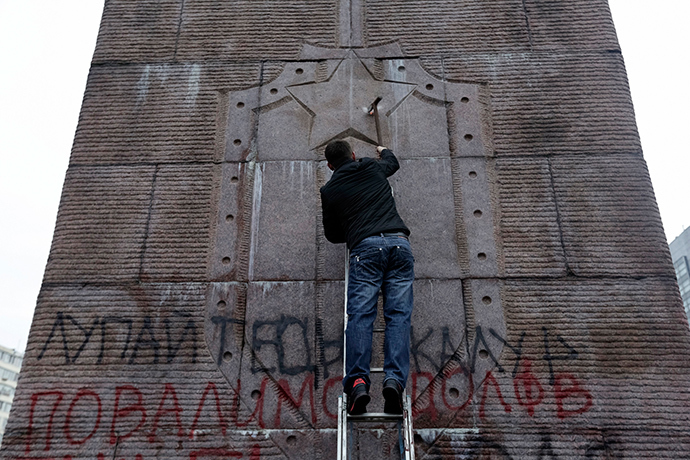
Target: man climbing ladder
pixel 359 209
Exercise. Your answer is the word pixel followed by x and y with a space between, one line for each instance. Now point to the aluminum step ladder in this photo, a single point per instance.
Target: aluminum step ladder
pixel 345 421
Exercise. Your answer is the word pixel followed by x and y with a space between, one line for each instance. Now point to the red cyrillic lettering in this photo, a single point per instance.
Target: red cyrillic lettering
pixel 284 394
pixel 530 384
pixel 49 432
pixel 221 420
pixel 575 390
pixel 122 412
pixel 176 409
pixel 68 419
pixel 490 379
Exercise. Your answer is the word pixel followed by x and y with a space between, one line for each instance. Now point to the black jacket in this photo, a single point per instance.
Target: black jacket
pixel 358 202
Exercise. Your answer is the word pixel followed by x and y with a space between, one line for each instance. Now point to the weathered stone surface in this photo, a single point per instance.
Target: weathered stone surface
pixel 439 27
pixel 158 112
pixel 530 224
pixel 101 225
pixel 283 221
pixel 554 103
pixel 246 30
pixel 609 216
pixel 429 213
pixel 193 309
pixel 177 238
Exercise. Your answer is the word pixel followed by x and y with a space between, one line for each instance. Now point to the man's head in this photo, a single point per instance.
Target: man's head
pixel 338 153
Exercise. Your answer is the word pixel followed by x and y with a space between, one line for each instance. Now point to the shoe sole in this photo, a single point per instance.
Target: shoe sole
pixel 392 404
pixel 359 405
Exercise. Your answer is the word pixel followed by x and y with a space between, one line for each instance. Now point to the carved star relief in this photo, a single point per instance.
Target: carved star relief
pixel 339 105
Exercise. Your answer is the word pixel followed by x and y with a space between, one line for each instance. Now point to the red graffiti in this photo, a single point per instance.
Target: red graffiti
pixel 213 453
pixel 533 392
pixel 285 395
pixel 68 419
pixel 257 414
pixel 176 409
pixel 491 380
pixel 330 383
pixel 134 415
pixel 575 390
pixel 49 430
pixel 124 412
pixel 211 387
pixel 430 407
pixel 470 393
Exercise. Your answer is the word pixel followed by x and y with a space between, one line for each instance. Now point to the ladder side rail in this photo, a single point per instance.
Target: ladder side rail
pixel 340 427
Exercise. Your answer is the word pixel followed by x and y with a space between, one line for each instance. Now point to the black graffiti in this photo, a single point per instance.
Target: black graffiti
pixel 223 322
pixel 515 349
pixel 549 358
pixel 146 338
pixel 480 344
pixel 476 349
pixel 326 363
pixel 416 348
pixel 278 331
pixel 597 445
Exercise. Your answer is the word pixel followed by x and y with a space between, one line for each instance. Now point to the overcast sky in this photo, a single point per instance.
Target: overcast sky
pixel 45 51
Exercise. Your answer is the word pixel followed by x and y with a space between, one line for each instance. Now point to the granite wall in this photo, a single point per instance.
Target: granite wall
pixel 192 308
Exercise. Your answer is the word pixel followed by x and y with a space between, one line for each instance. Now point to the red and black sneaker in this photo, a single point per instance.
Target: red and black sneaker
pixel 392 395
pixel 358 398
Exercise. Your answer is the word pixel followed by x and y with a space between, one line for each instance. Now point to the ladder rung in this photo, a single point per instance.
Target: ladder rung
pixel 374 417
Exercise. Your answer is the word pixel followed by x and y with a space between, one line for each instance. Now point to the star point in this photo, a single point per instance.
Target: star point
pixel 339 105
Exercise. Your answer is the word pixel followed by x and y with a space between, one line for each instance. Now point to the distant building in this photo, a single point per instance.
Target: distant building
pixel 680 252
pixel 10 364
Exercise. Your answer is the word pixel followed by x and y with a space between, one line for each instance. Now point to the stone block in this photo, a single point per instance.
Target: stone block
pixel 101 225
pixel 530 231
pixel 283 235
pixel 429 213
pixel 156 112
pixel 550 103
pixel 609 216
pixel 177 240
pixel 611 343
pixel 467 26
pixel 231 222
pixel 143 32
pixel 279 360
pixel 582 25
pixel 245 30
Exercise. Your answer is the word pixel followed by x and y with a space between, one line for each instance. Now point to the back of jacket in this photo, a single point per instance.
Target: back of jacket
pixel 357 201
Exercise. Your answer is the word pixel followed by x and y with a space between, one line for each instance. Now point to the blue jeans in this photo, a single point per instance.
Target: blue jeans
pixel 386 264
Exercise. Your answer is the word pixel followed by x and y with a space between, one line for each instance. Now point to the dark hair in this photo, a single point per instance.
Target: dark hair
pixel 338 152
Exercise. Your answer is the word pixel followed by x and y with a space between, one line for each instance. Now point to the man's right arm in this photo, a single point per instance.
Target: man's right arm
pixel 387 160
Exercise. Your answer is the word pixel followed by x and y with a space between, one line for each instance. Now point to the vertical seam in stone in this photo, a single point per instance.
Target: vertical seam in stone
pixel 214 215
pixel 558 217
pixel 247 204
pixel 244 223
pixel 148 223
pixel 240 314
pixel 223 99
pixel 529 28
pixel 460 232
pixel 468 308
pixel 319 350
pixel 179 30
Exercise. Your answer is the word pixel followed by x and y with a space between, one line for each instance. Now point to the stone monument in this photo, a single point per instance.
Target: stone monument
pixel 192 309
